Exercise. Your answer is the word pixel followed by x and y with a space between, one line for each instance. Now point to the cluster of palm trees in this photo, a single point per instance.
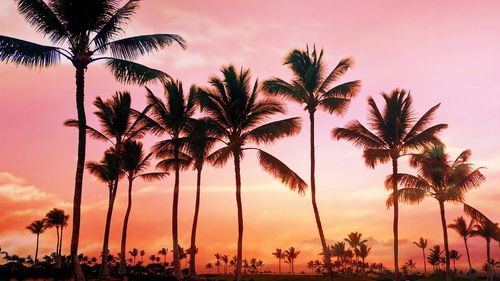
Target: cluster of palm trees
pixel 252 265
pixel 288 256
pixel 55 218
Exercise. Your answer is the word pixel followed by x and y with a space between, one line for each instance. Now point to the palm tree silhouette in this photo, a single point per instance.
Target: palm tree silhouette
pixel 171 118
pixel 394 134
pixel 435 257
pixel 291 254
pixel 363 251
pixel 354 241
pixel 439 178
pixel 87 28
pixel 488 230
pixel 209 266
pixel 133 163
pixel 310 87
pixel 422 244
pixel 225 260
pixel 279 255
pixel 218 257
pixel 134 254
pixel 164 253
pixel 37 227
pixel 142 253
pixel 58 219
pixel 236 111
pixel 465 231
pixel 107 171
pixel 454 256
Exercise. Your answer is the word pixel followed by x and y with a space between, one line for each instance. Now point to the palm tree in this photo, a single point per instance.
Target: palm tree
pixel 279 255
pixel 37 227
pixel 171 118
pixel 225 260
pixel 237 111
pixel 133 163
pixel 463 229
pixel 87 28
pixel 217 263
pixel 198 146
pixel 291 254
pixel 164 253
pixel 439 178
pixel 107 171
pixel 363 252
pixel 488 230
pixel 394 134
pixel 142 253
pixel 354 241
pixel 209 266
pixel 310 265
pixel 310 88
pixel 435 257
pixel 454 256
pixel 422 244
pixel 134 254
pixel 58 219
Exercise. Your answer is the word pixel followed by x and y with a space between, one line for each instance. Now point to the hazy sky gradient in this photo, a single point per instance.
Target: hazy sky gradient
pixel 444 52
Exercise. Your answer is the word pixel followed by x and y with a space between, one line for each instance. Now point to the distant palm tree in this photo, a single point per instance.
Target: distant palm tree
pixel 142 253
pixel 237 111
pixel 439 178
pixel 310 87
pixel 363 251
pixel 279 254
pixel 107 171
pixel 434 257
pixel 171 118
pixel 152 258
pixel 37 227
pixel 225 260
pixel 394 134
pixel 488 230
pixel 310 266
pixel 291 255
pixel 422 244
pixel 218 257
pixel 57 218
pixel 134 254
pixel 354 241
pixel 463 229
pixel 164 253
pixel 209 266
pixel 133 163
pixel 260 264
pixel 87 28
pixel 454 256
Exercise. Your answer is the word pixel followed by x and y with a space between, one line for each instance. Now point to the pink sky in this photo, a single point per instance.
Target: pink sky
pixel 444 52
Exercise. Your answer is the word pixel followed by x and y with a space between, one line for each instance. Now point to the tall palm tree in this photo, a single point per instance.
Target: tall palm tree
pixel 291 254
pixel 198 145
pixel 395 132
pixel 57 218
pixel 354 241
pixel 133 163
pixel 237 112
pixel 422 244
pixel 463 229
pixel 310 88
pixel 171 118
pixel 107 171
pixel 439 178
pixel 279 254
pixel 88 29
pixel 134 254
pixel 37 227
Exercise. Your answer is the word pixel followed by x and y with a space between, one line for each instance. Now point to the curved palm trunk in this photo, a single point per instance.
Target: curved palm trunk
pixel 175 235
pixel 396 218
pixel 192 262
pixel 57 248
pixel 424 261
pixel 445 236
pixel 326 251
pixel 239 255
pixel 104 272
pixel 123 263
pixel 468 255
pixel 36 251
pixel 80 163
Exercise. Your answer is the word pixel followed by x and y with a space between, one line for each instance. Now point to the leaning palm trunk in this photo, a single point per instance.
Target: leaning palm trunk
pixel 57 248
pixel 488 261
pixel 80 163
pixel 123 263
pixel 326 251
pixel 396 217
pixel 175 235
pixel 192 261
pixel 468 255
pixel 104 272
pixel 36 251
pixel 425 263
pixel 239 255
pixel 445 236
pixel 60 246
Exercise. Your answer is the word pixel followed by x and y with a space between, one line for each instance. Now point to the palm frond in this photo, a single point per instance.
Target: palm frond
pixel 346 90
pixel 133 47
pixel 114 25
pixel 470 180
pixel 422 123
pixel 220 157
pixel 359 135
pixel 153 176
pixel 39 15
pixel 277 86
pixel 73 123
pixel 406 195
pixel 273 131
pixel 338 71
pixel 281 171
pixel 374 156
pixel 172 164
pixel 339 106
pixel 425 138
pixel 134 73
pixel 27 53
pixel 475 213
pixel 408 181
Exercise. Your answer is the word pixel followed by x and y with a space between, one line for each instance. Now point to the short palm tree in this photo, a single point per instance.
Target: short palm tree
pixel 142 253
pixel 454 256
pixel 291 254
pixel 225 260
pixel 439 178
pixel 88 28
pixel 434 257
pixel 422 244
pixel 218 257
pixel 107 171
pixel 236 111
pixel 171 118
pixel 279 254
pixel 164 253
pixel 209 266
pixel 354 241
pixel 363 251
pixel 37 227
pixel 312 89
pixel 463 229
pixel 395 132
pixel 133 163
pixel 134 253
pixel 57 218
